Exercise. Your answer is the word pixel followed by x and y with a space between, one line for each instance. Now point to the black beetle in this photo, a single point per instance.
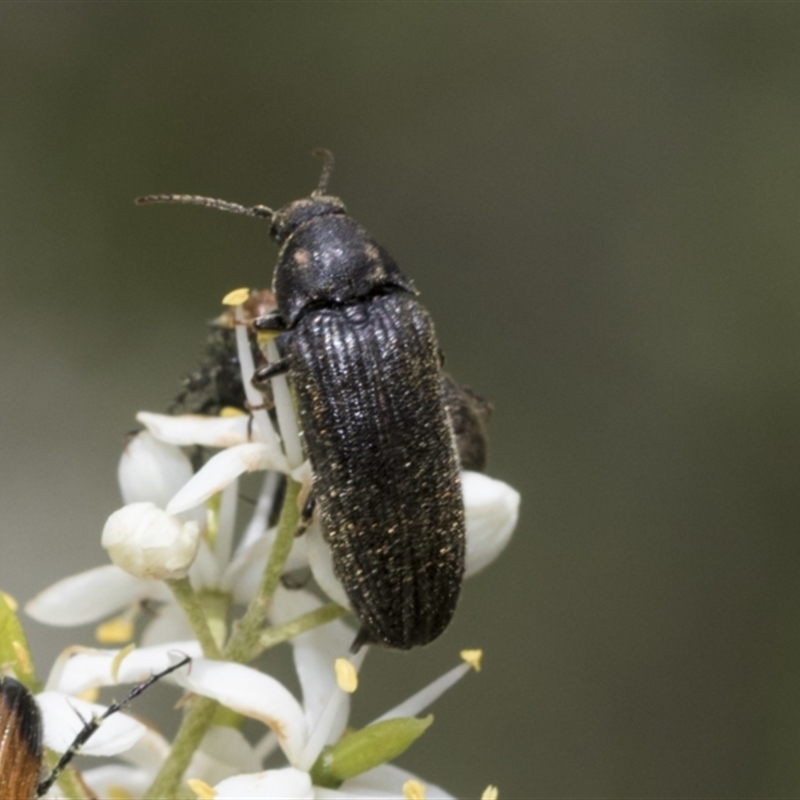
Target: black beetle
pixel 374 406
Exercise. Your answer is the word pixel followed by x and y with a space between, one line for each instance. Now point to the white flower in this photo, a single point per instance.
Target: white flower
pixel 303 730
pixel 101 592
pixel 64 714
pixel 63 717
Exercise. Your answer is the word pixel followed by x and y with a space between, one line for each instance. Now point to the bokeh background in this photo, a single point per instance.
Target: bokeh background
pixel 600 204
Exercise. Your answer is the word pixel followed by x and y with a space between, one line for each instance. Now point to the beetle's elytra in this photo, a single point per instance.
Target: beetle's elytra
pixel 377 414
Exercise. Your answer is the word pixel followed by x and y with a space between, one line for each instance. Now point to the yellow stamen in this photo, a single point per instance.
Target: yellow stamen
pixel 236 297
pixel 473 658
pixel 346 675
pixel 90 695
pixel 231 411
pixel 118 659
pixel 119 793
pixel 10 601
pixel 490 793
pixel 414 790
pixel 202 789
pixel 115 631
pixel 265 337
pixel 23 658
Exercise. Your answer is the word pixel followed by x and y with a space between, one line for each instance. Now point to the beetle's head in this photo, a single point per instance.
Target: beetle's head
pixel 287 219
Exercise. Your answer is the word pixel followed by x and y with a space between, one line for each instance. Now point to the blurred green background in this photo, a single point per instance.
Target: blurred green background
pixel 600 205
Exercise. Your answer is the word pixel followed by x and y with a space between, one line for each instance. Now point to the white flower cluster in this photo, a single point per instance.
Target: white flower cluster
pixel 173 554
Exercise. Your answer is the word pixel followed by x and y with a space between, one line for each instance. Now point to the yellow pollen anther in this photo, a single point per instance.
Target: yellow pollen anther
pixel 414 790
pixel 473 658
pixel 265 337
pixel 115 631
pixel 23 658
pixel 202 789
pixel 119 658
pixel 231 411
pixel 10 601
pixel 346 675
pixel 490 793
pixel 236 297
pixel 90 695
pixel 119 793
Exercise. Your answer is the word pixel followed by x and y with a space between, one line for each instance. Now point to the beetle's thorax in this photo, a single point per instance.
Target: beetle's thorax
pixel 327 259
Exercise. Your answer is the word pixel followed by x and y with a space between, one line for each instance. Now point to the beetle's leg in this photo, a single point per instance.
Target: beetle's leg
pixel 269 323
pixel 362 637
pixel 263 374
pixel 306 515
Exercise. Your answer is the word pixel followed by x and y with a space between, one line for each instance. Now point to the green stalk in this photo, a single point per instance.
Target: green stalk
pixel 305 622
pixel 248 629
pixel 196 722
pixel 190 603
pixel 245 639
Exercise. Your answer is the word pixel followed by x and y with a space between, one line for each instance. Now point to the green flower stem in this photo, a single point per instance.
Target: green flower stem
pixel 189 602
pixel 244 641
pixel 196 721
pixel 215 605
pixel 247 631
pixel 305 622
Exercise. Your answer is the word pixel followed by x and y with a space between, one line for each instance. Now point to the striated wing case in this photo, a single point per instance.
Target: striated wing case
pixel 368 382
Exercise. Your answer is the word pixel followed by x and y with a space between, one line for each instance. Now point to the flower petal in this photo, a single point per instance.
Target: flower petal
pixel 314 655
pixel 321 561
pixel 196 429
pixel 278 784
pixel 64 717
pixel 253 694
pixel 145 759
pixel 91 595
pixel 424 697
pixel 117 780
pixel 224 752
pixel 491 508
pixel 243 575
pixel 78 668
pixel 149 752
pixel 151 471
pixel 169 624
pixel 204 572
pixel 267 498
pixel 222 469
pixel 387 781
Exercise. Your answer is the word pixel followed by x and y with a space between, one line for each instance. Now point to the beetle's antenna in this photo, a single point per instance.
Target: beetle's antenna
pixel 208 202
pixel 327 169
pixel 94 723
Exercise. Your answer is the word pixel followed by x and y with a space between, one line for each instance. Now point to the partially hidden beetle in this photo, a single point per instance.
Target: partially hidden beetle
pixel 376 414
pixel 216 382
pixel 21 737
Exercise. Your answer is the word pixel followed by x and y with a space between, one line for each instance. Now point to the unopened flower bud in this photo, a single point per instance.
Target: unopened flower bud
pixel 149 543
